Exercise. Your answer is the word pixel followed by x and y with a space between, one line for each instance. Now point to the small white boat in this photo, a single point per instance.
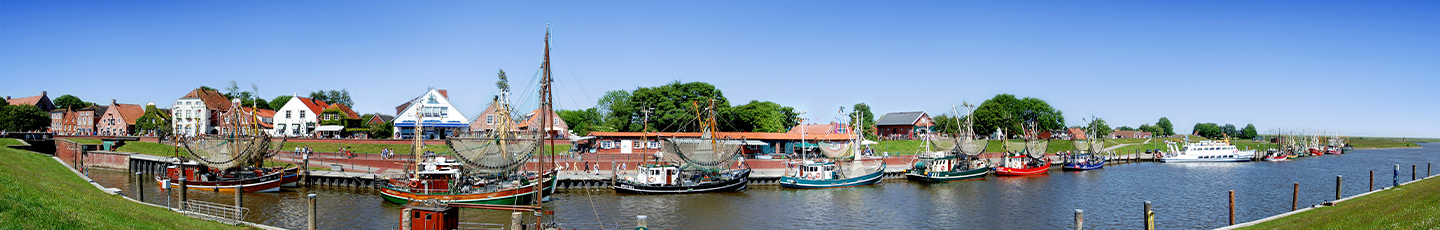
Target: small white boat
pixel 1207 151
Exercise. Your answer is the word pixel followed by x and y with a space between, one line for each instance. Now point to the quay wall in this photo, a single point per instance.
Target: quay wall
pixel 107 159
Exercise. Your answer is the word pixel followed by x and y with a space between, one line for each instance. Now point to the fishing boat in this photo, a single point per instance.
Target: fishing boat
pixel 1207 151
pixel 957 162
pixel 486 168
pixel 1274 155
pixel 229 159
pixel 1027 158
pixel 691 165
pixel 845 165
pixel 1085 155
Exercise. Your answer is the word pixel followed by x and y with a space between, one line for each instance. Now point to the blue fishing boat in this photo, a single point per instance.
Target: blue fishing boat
pixel 1083 161
pixel 829 175
pixel 844 166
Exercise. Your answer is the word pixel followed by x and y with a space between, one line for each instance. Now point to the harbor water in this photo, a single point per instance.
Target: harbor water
pixel 1184 196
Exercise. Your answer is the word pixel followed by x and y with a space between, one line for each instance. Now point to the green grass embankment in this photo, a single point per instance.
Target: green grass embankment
pixel 1411 206
pixel 1381 143
pixel 36 192
pixel 84 141
pixel 8 142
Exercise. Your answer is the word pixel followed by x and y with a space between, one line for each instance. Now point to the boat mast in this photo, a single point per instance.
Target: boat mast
pixel 544 130
pixel 419 125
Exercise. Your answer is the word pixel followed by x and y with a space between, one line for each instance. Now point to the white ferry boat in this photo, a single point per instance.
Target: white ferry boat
pixel 1207 151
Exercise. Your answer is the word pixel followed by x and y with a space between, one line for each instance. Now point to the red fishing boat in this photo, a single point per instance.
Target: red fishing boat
pixel 201 177
pixel 1022 166
pixel 1316 152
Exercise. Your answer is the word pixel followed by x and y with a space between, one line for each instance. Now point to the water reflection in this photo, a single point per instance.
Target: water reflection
pixel 1185 196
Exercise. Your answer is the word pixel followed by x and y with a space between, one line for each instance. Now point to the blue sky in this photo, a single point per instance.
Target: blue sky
pixel 1365 68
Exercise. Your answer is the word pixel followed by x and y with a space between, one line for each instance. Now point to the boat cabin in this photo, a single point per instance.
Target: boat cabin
pixel 435 175
pixel 658 174
pixel 811 170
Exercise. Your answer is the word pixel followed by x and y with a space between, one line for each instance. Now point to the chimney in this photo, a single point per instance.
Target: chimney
pixel 444 93
pixel 42 93
pixel 112 102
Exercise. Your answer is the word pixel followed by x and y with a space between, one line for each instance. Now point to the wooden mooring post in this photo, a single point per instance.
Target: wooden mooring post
pixel 1337 187
pixel 239 202
pixel 1295 197
pixel 1149 217
pixel 139 187
pixel 1079 219
pixel 182 192
pixel 1372 180
pixel 312 211
pixel 1412 172
pixel 1232 207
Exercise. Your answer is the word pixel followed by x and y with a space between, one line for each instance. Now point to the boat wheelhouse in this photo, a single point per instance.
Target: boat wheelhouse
pixel 1207 151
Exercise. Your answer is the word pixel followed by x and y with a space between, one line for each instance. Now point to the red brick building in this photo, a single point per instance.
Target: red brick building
pixel 119 119
pixel 903 125
pixel 41 101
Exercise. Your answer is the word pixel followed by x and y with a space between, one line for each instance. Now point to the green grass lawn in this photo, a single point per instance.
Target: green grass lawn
pixel 38 193
pixel 147 148
pixel 1412 206
pixel 1380 143
pixel 8 141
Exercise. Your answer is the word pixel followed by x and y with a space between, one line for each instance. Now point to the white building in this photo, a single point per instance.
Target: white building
pixel 438 118
pixel 198 112
pixel 299 117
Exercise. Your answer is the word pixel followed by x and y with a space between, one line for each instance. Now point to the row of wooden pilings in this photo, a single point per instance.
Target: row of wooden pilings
pixel 1149 216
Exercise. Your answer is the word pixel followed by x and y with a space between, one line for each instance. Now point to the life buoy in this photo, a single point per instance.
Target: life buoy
pixel 651 180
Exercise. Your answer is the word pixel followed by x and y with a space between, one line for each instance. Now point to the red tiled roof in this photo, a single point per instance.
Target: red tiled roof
pixel 25 100
pixel 820 129
pixel 213 100
pixel 129 112
pixel 316 106
pixel 344 109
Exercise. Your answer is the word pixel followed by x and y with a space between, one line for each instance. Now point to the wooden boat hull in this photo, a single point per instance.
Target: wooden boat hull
pixel 941 177
pixel 862 180
pixel 1276 158
pixel 1008 171
pixel 514 196
pixel 266 183
pixel 739 182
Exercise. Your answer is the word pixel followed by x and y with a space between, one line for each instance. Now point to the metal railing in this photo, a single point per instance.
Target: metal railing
pixel 228 214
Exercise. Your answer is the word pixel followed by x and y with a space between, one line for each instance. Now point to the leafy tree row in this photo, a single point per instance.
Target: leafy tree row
pixel 21 118
pixel 673 108
pixel 1214 131
pixel 1007 113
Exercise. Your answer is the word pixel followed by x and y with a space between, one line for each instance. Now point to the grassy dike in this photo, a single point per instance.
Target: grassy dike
pixel 36 192
pixel 1411 206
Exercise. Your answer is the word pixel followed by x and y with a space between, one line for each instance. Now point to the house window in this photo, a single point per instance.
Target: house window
pixel 490 119
pixel 302 114
pixel 287 114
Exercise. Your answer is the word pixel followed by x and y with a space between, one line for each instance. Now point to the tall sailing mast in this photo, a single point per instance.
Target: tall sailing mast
pixel 545 104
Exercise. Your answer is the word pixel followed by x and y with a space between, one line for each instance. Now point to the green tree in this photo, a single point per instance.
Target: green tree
pixel 1249 132
pixel 1208 130
pixel 616 111
pixel 1229 130
pixel 1125 128
pixel 333 97
pixel 1153 130
pixel 382 131
pixel 675 105
pixel 70 102
pixel 758 116
pixel 862 110
pixel 945 123
pixel 1100 127
pixel 279 102
pixel 20 118
pixel 153 122
pixel 1166 128
pixel 582 122
pixel 1006 113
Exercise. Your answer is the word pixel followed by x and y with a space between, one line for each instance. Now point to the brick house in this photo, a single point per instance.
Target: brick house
pixel 119 119
pixel 488 119
pixel 903 125
pixel 80 121
pixel 557 129
pixel 379 119
pixel 41 101
pixel 1129 134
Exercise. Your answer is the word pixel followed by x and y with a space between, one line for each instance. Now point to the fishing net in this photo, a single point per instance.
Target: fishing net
pixel 837 150
pixel 711 154
pixel 494 155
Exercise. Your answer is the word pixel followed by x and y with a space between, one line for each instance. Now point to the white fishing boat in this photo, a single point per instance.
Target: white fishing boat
pixel 1207 151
